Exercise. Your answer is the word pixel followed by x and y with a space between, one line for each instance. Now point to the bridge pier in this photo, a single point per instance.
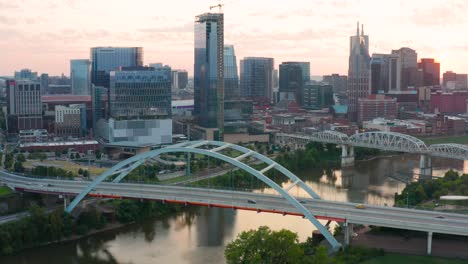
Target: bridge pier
pixel 348 232
pixel 429 243
pixel 347 156
pixel 425 166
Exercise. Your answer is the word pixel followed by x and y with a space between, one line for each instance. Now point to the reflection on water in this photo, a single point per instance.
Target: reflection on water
pixel 200 236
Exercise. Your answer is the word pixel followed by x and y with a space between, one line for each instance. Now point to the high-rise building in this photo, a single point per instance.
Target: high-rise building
pixel 455 81
pixel 408 64
pixel 257 79
pixel 106 59
pixel 231 78
pixel 430 72
pixel 140 107
pixel 209 71
pixel 80 75
pixel 24 105
pixel 291 81
pixel 338 82
pixel 317 95
pixel 358 71
pixel 179 79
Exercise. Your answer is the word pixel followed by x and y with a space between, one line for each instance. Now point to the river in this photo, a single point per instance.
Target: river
pixel 200 236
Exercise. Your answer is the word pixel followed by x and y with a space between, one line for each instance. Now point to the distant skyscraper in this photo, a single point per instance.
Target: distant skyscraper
pixel 231 78
pixel 358 71
pixel 317 96
pixel 209 71
pixel 455 81
pixel 44 83
pixel 408 64
pixel 80 75
pixel 106 59
pixel 385 73
pixel 291 81
pixel 257 78
pixel 24 105
pixel 179 79
pixel 25 74
pixel 430 72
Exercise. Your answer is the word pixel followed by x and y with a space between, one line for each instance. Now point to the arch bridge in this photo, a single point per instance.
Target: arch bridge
pixel 215 149
pixel 387 141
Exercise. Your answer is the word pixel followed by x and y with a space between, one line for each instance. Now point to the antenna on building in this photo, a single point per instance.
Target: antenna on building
pixel 357 29
pixel 362 29
pixel 219 5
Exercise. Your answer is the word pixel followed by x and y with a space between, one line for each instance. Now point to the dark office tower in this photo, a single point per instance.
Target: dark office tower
pixel 44 83
pixel 379 73
pixel 408 65
pixel 358 71
pixel 257 78
pixel 24 105
pixel 231 78
pixel 338 82
pixel 209 71
pixel 106 59
pixel 291 81
pixel 430 72
pixel 80 75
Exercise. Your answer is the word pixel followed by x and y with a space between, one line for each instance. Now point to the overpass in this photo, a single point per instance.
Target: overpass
pixel 387 141
pixel 108 186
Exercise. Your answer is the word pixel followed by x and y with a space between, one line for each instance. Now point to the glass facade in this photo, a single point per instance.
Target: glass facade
pixel 231 78
pixel 257 78
pixel 140 93
pixel 291 81
pixel 80 75
pixel 209 70
pixel 106 59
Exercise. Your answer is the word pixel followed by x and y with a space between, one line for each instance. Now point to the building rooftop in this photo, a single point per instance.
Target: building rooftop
pixel 340 109
pixel 59 143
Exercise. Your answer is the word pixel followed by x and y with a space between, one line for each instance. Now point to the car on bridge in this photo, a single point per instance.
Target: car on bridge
pixel 360 206
pixel 251 201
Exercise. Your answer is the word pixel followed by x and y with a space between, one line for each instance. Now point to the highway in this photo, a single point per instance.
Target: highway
pixel 427 221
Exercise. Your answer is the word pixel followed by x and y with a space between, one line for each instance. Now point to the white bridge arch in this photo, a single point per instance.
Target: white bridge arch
pixel 212 149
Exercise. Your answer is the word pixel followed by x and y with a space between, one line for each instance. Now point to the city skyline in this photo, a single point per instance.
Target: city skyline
pixel 315 31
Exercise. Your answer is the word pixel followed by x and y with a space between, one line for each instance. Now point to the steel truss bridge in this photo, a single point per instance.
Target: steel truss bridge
pixel 388 141
pixel 108 185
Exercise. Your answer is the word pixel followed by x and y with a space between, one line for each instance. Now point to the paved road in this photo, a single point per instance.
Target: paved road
pixel 419 220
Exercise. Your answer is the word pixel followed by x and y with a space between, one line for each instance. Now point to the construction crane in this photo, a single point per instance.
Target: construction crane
pixel 220 6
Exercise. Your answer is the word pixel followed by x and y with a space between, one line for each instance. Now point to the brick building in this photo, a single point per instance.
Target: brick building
pixel 376 105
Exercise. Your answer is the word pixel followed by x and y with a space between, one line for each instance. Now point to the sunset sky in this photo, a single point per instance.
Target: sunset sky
pixel 45 34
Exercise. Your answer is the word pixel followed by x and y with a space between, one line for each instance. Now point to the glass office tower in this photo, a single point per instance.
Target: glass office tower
pixel 80 75
pixel 257 78
pixel 209 71
pixel 231 78
pixel 106 59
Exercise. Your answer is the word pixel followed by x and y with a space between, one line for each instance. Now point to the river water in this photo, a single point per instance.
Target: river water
pixel 200 236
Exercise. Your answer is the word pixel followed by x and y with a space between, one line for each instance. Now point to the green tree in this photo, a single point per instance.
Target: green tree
pixel 86 173
pixel 80 171
pixel 21 158
pixel 265 246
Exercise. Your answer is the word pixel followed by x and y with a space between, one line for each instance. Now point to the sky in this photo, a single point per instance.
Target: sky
pixel 44 35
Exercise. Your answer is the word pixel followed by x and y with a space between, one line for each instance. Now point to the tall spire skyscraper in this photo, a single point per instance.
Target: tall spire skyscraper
pixel 358 71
